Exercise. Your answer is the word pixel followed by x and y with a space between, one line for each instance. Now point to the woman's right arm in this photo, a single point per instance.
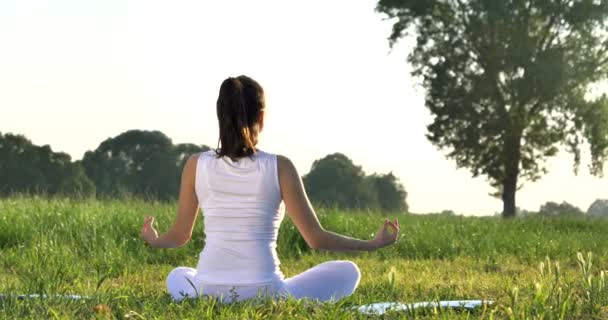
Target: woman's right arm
pixel 304 218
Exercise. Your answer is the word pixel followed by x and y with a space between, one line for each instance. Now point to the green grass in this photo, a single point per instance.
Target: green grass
pixel 529 266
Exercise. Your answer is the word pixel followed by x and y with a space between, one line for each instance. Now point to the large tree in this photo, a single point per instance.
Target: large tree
pixel 135 162
pixel 390 192
pixel 335 181
pixel 507 81
pixel 140 163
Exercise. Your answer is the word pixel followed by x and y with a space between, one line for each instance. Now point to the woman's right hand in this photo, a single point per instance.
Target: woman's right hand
pixel 148 233
pixel 384 237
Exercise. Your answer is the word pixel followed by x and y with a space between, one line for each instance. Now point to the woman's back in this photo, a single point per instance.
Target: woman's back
pixel 242 212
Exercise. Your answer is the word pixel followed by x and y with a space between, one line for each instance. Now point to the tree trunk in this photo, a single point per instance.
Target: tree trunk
pixel 508 197
pixel 512 157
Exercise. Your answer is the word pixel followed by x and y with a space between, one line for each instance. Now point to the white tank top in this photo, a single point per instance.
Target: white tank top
pixel 242 212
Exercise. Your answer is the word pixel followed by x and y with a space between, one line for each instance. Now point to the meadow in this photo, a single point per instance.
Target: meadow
pixel 532 267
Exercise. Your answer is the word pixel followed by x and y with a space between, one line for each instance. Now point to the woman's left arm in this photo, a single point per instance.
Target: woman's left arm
pixel 181 231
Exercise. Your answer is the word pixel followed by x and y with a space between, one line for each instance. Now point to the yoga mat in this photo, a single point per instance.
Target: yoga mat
pixel 383 307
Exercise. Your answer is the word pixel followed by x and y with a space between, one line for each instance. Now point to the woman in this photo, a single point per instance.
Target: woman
pixel 241 191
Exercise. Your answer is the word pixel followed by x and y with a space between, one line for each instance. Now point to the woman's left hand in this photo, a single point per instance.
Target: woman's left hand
pixel 384 237
pixel 148 233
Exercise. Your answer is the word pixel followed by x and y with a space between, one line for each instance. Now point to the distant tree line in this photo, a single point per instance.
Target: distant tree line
pixel 136 163
pixel 147 164
pixel 599 208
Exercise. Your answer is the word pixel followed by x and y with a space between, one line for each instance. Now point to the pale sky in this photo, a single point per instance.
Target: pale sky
pixel 73 73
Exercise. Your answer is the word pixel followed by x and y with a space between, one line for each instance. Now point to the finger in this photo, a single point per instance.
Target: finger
pixel 149 221
pixel 394 227
pixel 393 236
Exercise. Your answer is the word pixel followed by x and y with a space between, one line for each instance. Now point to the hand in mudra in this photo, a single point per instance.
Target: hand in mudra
pixel 387 234
pixel 148 233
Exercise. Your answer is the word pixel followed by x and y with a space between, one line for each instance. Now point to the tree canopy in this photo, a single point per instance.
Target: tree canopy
pixel 508 81
pixel 599 208
pixel 335 181
pixel 390 193
pixel 559 209
pixel 142 163
pixel 27 168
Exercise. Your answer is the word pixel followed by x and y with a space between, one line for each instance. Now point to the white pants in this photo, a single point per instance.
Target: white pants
pixel 328 281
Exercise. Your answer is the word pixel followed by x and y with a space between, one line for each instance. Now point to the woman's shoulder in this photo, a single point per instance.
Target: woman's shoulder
pixel 193 159
pixel 263 154
pixel 269 155
pixel 284 164
pixel 207 153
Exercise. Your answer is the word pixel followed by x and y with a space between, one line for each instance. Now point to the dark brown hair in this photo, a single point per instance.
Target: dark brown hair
pixel 239 107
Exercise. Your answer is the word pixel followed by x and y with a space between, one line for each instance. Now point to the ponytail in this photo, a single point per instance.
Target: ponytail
pixel 238 110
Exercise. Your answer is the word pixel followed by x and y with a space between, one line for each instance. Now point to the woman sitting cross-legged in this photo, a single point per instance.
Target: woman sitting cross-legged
pixel 241 191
